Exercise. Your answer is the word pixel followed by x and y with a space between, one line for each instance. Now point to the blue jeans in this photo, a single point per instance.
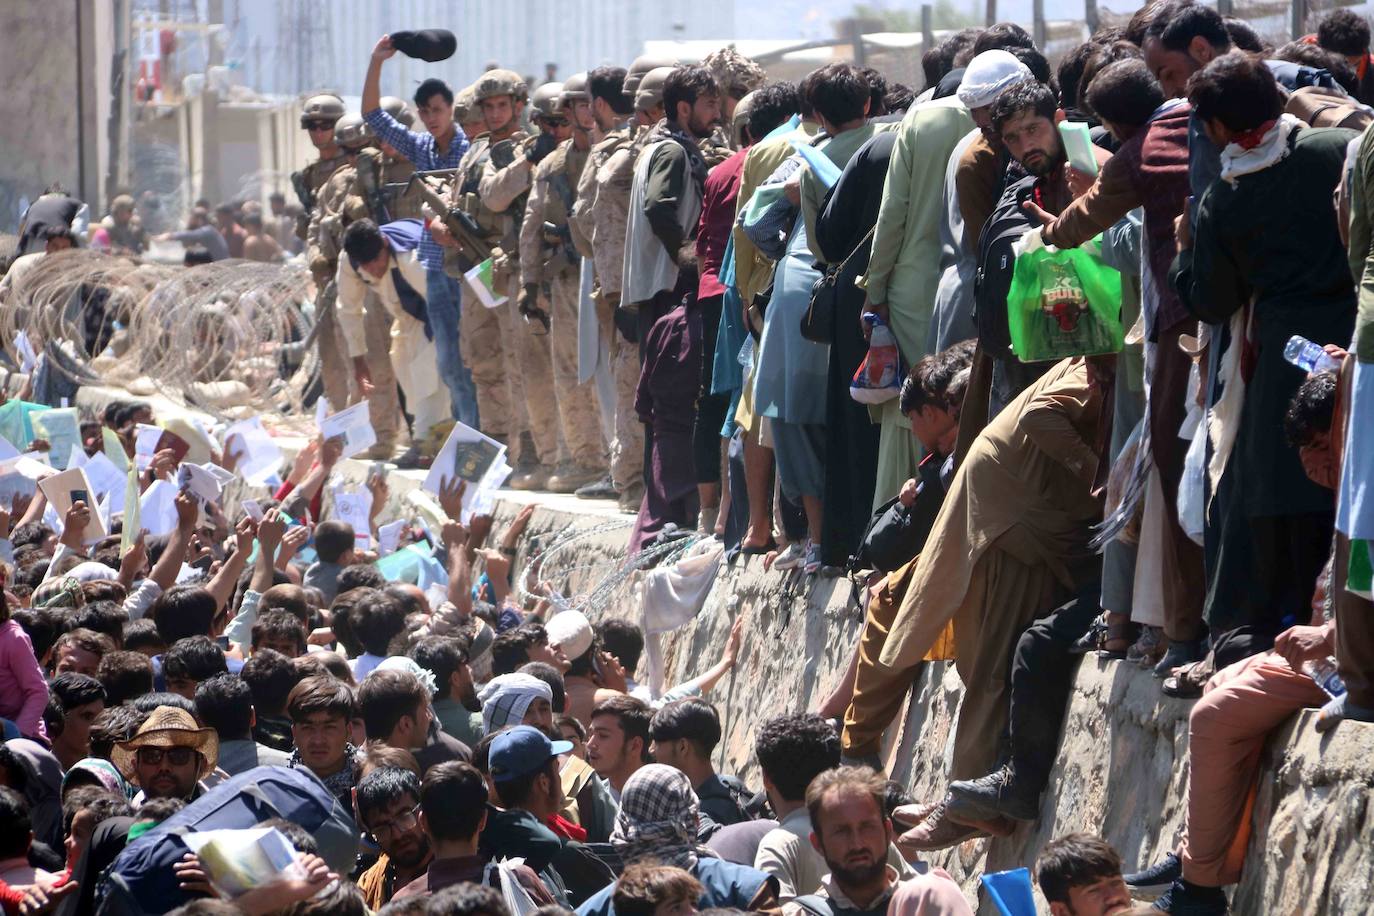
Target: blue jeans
pixel 443 297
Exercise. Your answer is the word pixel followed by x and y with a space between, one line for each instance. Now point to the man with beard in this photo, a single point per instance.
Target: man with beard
pixel 852 833
pixel 455 703
pixel 660 271
pixel 168 756
pixel 388 804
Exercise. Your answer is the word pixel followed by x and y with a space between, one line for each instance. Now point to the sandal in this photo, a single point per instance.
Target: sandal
pixel 1188 682
pixel 1090 640
pixel 1123 634
pixel 1149 648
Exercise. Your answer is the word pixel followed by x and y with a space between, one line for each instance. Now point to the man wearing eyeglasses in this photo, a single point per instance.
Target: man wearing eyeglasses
pixel 168 756
pixel 388 804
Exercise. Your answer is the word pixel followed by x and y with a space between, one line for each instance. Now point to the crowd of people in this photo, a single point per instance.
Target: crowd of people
pixel 681 293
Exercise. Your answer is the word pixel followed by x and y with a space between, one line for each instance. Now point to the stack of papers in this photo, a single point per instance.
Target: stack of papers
pixel 475 458
pixel 236 861
pixel 258 455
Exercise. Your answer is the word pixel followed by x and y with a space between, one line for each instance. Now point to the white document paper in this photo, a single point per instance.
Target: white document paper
pixel 146 439
pixel 201 481
pixel 27 358
pixel 473 457
pixel 7 449
pixel 72 486
pixel 354 426
pixel 352 507
pixel 157 509
pixel 103 475
pixel 389 537
pixel 258 455
pixel 253 509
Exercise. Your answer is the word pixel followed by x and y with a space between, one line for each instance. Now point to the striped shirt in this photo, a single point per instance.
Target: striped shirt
pixel 420 150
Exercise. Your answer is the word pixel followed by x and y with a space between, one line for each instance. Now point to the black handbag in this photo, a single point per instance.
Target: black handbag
pixel 892 539
pixel 817 325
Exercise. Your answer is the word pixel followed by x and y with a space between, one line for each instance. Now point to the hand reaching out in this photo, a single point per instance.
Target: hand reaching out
pixel 304 461
pixel 451 497
pixel 270 530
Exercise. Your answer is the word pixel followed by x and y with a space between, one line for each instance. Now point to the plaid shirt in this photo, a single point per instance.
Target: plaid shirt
pixel 419 149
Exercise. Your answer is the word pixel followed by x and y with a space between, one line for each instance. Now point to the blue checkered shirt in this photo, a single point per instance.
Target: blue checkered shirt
pixel 419 149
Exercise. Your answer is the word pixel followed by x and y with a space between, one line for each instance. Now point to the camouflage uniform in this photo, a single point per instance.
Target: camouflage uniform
pixel 503 189
pixel 322 254
pixel 601 215
pixel 398 205
pixel 487 334
pixel 551 264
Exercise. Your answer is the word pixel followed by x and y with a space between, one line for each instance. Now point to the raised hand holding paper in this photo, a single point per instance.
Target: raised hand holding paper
pixel 354 426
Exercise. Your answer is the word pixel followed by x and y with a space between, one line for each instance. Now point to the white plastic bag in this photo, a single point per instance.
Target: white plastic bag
pixel 1192 494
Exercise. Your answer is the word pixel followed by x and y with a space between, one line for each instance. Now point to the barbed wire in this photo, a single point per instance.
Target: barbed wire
pixel 226 337
pixel 596 599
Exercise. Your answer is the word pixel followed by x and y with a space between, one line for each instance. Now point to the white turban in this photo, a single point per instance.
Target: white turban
pixel 988 76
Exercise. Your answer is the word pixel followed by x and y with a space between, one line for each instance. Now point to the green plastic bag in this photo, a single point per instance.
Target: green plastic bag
pixel 1062 301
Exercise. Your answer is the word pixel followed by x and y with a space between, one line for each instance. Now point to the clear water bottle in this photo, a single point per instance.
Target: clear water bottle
pixel 1323 672
pixel 1308 356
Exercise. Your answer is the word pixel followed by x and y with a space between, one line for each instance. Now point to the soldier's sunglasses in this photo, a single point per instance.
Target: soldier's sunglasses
pixel 318 125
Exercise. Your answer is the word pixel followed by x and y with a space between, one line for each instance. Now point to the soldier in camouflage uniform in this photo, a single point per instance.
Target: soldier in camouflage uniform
pixel 359 184
pixel 549 268
pixel 598 221
pixel 320 114
pixel 508 354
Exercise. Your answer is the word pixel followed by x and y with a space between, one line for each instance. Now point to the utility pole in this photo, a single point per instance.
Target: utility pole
pixel 1038 22
pixel 990 13
pixel 927 27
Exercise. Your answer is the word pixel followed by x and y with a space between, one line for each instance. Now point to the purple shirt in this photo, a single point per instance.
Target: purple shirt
pixel 419 148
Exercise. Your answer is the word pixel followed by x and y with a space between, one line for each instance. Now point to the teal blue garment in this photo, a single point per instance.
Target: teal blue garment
pixel 16 421
pixel 413 564
pixel 727 375
pixel 791 374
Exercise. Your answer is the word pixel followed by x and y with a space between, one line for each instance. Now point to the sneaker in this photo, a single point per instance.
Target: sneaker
pixel 1179 654
pixel 1157 879
pixel 570 478
pixel 792 557
pixel 380 451
pixel 813 559
pixel 1184 899
pixel 598 489
pixel 998 793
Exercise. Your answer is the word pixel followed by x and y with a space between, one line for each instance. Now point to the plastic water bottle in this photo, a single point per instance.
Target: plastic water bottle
pixel 1323 672
pixel 1308 356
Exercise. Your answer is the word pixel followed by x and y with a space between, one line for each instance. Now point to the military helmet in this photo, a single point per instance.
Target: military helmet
pixel 465 105
pixel 351 131
pixel 641 66
pixel 398 109
pixel 575 90
pixel 323 107
pixel 650 93
pixel 741 117
pixel 495 83
pixel 544 100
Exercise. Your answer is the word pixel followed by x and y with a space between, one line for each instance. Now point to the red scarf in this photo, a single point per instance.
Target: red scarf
pixel 1249 139
pixel 566 828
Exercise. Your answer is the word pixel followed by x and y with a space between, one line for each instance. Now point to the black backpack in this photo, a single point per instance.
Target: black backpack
pixel 996 263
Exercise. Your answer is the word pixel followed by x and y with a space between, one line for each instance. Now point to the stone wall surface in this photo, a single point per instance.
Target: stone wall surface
pixel 1121 767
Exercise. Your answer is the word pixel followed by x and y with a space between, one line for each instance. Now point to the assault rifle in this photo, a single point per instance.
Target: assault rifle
pixel 460 224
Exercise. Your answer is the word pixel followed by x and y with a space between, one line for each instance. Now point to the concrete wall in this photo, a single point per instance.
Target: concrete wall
pixel 55 65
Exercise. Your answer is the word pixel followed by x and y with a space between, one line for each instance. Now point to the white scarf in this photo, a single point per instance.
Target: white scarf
pixel 1237 161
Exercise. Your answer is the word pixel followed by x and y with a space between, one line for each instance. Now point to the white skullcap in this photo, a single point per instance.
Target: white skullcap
pixel 988 76
pixel 571 631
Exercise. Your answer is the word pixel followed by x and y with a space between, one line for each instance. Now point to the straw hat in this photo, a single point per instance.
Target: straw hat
pixel 168 727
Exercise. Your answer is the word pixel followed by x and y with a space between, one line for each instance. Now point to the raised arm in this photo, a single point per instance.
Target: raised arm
pixel 169 564
pixel 372 83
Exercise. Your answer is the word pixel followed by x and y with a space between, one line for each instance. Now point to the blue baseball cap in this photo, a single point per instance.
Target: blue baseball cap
pixel 520 751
